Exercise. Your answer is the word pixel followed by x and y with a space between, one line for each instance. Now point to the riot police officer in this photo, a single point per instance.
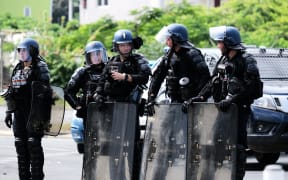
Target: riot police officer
pixel 85 79
pixel 27 130
pixel 235 80
pixel 123 78
pixel 183 67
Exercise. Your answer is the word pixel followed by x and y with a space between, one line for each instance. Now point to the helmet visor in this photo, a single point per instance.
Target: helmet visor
pixel 97 56
pixel 163 35
pixel 217 33
pixel 23 54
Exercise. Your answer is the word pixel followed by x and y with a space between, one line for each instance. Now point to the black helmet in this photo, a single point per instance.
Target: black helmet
pixel 120 37
pixel 31 45
pixel 229 35
pixel 95 46
pixel 177 32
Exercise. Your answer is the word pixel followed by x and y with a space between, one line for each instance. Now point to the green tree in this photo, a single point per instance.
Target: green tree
pixel 261 23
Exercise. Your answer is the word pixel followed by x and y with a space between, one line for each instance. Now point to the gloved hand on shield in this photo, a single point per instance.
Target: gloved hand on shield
pixel 150 106
pixel 225 104
pixel 100 100
pixel 187 103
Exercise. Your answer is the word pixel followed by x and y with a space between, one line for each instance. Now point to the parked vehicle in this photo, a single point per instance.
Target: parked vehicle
pixel 77 132
pixel 268 125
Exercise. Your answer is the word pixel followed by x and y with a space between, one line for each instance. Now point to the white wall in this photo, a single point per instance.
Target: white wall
pixel 120 9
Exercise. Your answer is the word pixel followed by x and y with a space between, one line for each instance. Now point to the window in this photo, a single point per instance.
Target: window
pixel 27 11
pixel 217 3
pixel 84 4
pixel 102 2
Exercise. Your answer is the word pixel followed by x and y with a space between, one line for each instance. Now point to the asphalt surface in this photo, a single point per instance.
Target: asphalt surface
pixel 64 162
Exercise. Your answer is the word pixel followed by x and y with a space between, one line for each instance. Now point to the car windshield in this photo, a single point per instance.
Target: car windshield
pixel 272 63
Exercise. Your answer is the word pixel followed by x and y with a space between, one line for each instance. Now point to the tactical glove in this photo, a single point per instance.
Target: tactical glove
pixel 8 119
pixel 100 100
pixel 225 104
pixel 186 104
pixel 150 106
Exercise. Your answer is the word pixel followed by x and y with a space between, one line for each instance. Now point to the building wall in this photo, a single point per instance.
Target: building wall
pixel 40 9
pixel 120 9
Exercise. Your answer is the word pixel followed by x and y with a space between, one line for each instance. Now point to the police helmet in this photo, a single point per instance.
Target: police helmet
pixel 229 35
pixel 177 32
pixel 31 45
pixel 95 47
pixel 120 37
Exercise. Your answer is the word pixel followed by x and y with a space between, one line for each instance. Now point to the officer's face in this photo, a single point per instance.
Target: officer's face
pixel 24 54
pixel 169 42
pixel 96 57
pixel 125 48
pixel 222 48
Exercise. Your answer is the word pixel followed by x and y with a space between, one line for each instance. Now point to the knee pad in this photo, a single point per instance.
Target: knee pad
pixel 21 145
pixel 34 145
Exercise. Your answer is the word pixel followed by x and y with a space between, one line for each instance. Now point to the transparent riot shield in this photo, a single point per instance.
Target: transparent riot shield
pixel 109 142
pixel 212 142
pixel 165 144
pixel 47 109
pixel 57 111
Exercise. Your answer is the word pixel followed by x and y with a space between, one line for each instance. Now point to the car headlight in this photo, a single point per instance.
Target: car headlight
pixel 266 101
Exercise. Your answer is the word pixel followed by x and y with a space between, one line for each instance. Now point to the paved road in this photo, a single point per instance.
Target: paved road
pixel 61 159
pixel 63 162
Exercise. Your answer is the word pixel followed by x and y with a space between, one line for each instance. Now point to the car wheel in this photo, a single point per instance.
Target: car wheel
pixel 267 158
pixel 80 148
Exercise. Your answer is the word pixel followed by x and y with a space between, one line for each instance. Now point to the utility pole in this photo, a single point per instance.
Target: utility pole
pixel 2 36
pixel 70 10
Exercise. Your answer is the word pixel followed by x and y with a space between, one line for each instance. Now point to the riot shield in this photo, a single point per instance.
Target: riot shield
pixel 212 142
pixel 165 142
pixel 47 109
pixel 109 142
pixel 57 111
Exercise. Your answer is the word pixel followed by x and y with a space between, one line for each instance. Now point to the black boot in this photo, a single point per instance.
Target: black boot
pixel 36 158
pixel 241 162
pixel 23 158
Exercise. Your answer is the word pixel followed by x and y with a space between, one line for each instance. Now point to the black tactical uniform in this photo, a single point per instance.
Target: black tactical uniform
pixel 135 65
pixel 187 65
pixel 85 79
pixel 185 69
pixel 235 80
pixel 134 70
pixel 19 98
pixel 83 83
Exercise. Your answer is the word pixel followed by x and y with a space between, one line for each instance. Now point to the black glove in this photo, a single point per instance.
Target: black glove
pixel 225 104
pixel 100 100
pixel 8 119
pixel 150 106
pixel 186 104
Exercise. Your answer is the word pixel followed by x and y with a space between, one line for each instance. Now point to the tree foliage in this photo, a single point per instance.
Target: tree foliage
pixel 261 23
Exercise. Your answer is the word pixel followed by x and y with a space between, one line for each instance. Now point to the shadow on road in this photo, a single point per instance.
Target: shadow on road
pixel 260 167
